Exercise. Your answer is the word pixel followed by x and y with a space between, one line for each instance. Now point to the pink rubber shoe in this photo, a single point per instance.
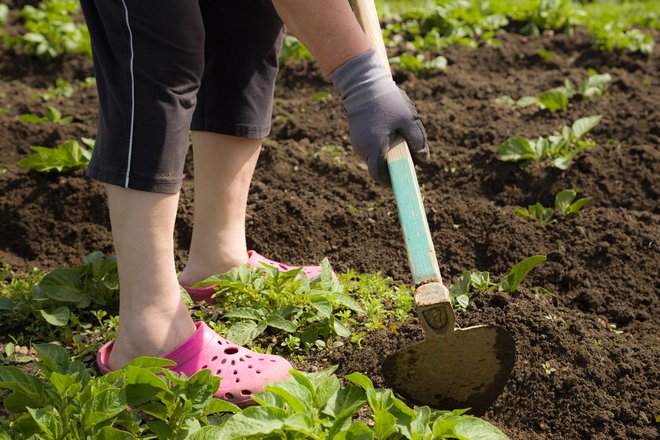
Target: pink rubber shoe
pixel 199 294
pixel 243 372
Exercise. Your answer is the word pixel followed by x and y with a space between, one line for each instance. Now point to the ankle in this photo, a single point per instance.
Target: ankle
pixel 150 332
pixel 200 267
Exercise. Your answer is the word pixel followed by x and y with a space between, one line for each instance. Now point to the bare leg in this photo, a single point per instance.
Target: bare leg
pixel 153 319
pixel 223 170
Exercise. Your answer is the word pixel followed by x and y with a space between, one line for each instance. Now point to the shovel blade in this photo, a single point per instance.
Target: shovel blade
pixel 466 368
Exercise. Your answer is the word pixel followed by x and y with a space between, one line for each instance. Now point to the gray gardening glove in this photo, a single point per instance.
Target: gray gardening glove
pixel 377 110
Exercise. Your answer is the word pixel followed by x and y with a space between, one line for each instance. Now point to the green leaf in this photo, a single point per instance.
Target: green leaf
pixel 62 382
pixel 58 317
pixel 54 357
pixel 521 212
pixel 161 429
pixel 150 362
pixel 515 149
pixel 110 433
pixel 62 285
pixel 563 162
pixel 477 429
pixel 254 420
pixel 356 431
pixel 17 402
pixel 342 405
pixel 520 270
pixel 526 101
pixel 11 378
pixel 141 385
pixel 563 200
pixel 322 304
pixel 553 100
pixel 276 321
pixel 220 406
pixel 339 328
pixel 6 304
pixel 49 420
pixel 245 313
pixel 103 406
pixel 584 125
pixel 296 395
pixel 347 302
pixel 208 433
pixel 245 331
pixel 577 205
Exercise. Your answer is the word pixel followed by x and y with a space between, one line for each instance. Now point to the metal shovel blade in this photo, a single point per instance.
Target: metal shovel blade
pixel 465 368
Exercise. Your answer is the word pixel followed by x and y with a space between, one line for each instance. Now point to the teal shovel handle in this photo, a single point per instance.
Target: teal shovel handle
pixel 421 253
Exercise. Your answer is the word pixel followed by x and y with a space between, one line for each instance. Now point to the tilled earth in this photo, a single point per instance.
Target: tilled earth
pixel 312 198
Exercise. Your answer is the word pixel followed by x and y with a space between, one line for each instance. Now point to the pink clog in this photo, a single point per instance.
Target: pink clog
pixel 199 294
pixel 243 372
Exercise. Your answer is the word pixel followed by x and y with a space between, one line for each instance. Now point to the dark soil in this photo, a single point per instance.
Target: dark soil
pixel 307 203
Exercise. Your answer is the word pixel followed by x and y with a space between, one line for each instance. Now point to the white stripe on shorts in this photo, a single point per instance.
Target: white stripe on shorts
pixel 130 139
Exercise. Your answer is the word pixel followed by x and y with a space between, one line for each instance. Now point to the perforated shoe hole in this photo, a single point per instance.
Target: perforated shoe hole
pixel 204 366
pixel 231 350
pixel 261 359
pixel 241 360
pixel 233 362
pixel 258 371
pixel 273 360
pixel 223 361
pixel 235 371
pixel 246 392
pixel 250 366
pixel 219 342
pixel 248 356
pixel 218 372
pixel 229 396
pixel 214 358
pixel 238 379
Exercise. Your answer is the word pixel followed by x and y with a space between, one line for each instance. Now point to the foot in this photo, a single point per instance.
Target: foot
pixel 153 331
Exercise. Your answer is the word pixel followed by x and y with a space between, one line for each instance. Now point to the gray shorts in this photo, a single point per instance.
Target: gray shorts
pixel 166 67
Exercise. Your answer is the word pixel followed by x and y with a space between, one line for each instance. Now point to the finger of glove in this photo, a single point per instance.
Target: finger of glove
pixel 414 133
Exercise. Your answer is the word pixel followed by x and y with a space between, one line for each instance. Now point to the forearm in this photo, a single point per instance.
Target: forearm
pixel 327 28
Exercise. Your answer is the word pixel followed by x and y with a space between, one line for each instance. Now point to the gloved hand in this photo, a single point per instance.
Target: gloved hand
pixel 377 110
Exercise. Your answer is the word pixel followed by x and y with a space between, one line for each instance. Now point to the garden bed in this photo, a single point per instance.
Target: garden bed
pixel 311 198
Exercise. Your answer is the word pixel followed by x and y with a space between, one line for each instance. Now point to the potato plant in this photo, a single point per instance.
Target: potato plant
pixel 557 151
pixel 470 281
pixel 565 205
pixel 63 159
pixel 558 98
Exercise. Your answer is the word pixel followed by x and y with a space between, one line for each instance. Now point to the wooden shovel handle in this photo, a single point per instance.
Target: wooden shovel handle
pixel 433 304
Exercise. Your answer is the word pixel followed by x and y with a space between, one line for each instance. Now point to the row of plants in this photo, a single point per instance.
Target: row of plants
pixel 146 400
pixel 265 308
pixel 52 29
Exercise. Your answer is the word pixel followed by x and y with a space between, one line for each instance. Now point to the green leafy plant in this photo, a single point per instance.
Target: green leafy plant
pixel 418 64
pixel 469 281
pixel 445 23
pixel 301 314
pixel 95 283
pixel 62 89
pixel 51 30
pixel 556 151
pixel 141 400
pixel 557 98
pixel 4 14
pixel 565 205
pixel 146 400
pixel 53 115
pixel 613 36
pixel 540 15
pixel 313 405
pixel 65 158
pixel 293 50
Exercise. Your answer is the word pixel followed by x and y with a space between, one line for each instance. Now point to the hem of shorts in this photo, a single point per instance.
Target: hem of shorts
pixel 140 183
pixel 238 130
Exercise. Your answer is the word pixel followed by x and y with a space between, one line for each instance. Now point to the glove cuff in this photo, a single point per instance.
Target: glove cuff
pixel 362 79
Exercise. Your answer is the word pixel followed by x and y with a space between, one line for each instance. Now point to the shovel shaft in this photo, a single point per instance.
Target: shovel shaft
pixel 421 253
pixel 432 300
